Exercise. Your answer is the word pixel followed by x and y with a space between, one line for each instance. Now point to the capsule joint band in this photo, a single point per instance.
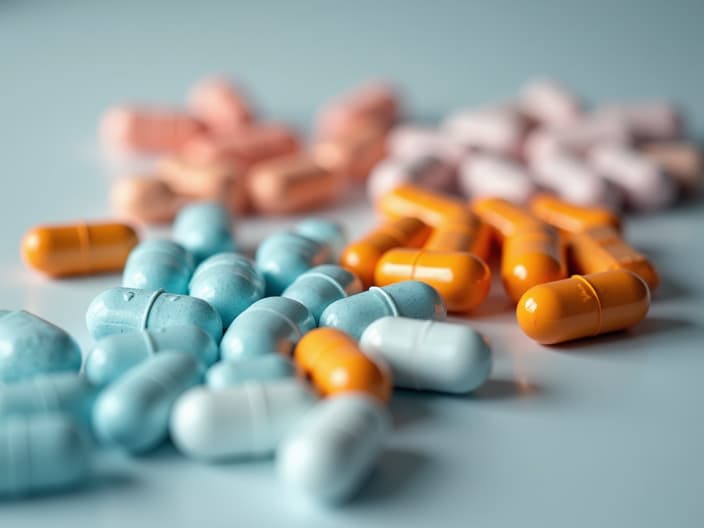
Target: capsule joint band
pixel 388 300
pixel 589 286
pixel 147 311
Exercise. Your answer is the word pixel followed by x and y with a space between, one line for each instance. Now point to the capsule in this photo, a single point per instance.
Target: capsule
pixel 331 452
pixel 361 256
pixel 31 346
pixel 133 412
pixel 583 306
pixel 270 325
pixel 319 287
pixel 483 175
pixel 145 199
pixel 120 310
pixel 647 120
pixel 680 160
pixel 115 354
pixel 569 217
pixel 220 104
pixel 424 170
pixel 158 264
pixel 549 103
pixel 42 453
pixel 78 249
pixel 248 420
pixel 204 229
pixel 258 368
pixel 323 231
pixel 406 299
pixel 602 249
pixel 462 279
pixel 229 283
pixel 430 207
pixel 283 256
pixel 499 129
pixel 462 234
pixel 408 141
pixel 504 217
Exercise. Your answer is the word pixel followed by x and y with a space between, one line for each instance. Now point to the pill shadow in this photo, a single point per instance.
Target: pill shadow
pixel 671 289
pixel 507 389
pixel 496 303
pixel 103 482
pixel 409 407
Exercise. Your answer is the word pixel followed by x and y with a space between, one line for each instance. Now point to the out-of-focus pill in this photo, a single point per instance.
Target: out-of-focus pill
pixel 146 199
pixel 42 453
pixel 411 200
pixel 120 310
pixel 133 412
pixel 504 217
pixel 647 120
pixel 31 346
pixel 464 234
pixel 330 453
pixel 324 231
pixel 569 217
pixel 319 287
pixel 424 170
pixel 334 364
pixel 270 325
pixel 681 160
pixel 549 102
pixel 483 175
pixel 114 355
pixel 408 141
pixel 406 299
pixel 361 256
pixel 583 306
pixel 499 129
pixel 78 249
pixel 462 279
pixel 429 355
pixel 204 229
pixel 158 264
pixel 258 368
pixel 247 420
pixel 219 104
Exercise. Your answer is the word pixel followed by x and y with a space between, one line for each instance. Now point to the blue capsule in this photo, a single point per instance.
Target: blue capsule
pixel 133 412
pixel 204 229
pixel 29 346
pixel 284 256
pixel 114 355
pixel 324 231
pixel 413 299
pixel 321 286
pixel 158 265
pixel 229 282
pixel 259 368
pixel 120 310
pixel 271 325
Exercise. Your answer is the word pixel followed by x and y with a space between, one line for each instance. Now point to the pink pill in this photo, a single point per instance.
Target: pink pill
pixel 647 120
pixel 549 103
pixel 422 169
pixel 407 141
pixel 487 175
pixel 499 129
pixel 220 105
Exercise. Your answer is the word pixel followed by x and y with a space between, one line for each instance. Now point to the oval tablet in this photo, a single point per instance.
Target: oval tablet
pixel 158 265
pixel 204 229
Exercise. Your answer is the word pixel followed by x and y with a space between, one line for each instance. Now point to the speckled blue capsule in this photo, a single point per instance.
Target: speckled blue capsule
pixel 204 229
pixel 133 412
pixel 319 287
pixel 114 355
pixel 260 368
pixel 120 310
pixel 284 256
pixel 271 325
pixel 229 282
pixel 324 231
pixel 158 264
pixel 29 346
pixel 406 299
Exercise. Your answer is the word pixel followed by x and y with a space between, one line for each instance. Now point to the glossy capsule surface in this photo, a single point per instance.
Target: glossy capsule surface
pixel 411 200
pixel 462 234
pixel 503 216
pixel 78 249
pixel 583 306
pixel 158 264
pixel 204 229
pixel 569 217
pixel 264 368
pixel 323 231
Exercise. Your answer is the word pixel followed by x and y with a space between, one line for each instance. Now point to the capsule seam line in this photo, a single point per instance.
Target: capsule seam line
pixel 84 243
pixel 288 320
pixel 150 304
pixel 415 262
pixel 591 288
pixel 387 299
pixel 149 340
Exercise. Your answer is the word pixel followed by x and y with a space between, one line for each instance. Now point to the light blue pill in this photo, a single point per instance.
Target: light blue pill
pixel 42 453
pixel 204 229
pixel 229 282
pixel 271 325
pixel 324 231
pixel 120 310
pixel 282 257
pixel 29 346
pixel 158 264
pixel 413 299
pixel 114 355
pixel 319 287
pixel 133 412
pixel 259 368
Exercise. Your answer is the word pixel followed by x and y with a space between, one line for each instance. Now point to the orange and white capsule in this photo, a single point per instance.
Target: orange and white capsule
pixel 412 200
pixel 569 217
pixel 504 217
pixel 583 306
pixel 681 160
pixel 221 105
pixel 462 234
pixel 146 199
pixel 78 249
pixel 549 102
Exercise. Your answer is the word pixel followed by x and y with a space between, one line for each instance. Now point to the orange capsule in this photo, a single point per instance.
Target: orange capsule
pixel 334 363
pixel 504 217
pixel 603 248
pixel 361 256
pixel 220 105
pixel 145 199
pixel 431 207
pixel 570 217
pixel 78 249
pixel 583 306
pixel 468 234
pixel 462 279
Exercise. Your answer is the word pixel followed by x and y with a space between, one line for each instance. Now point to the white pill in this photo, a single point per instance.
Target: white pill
pixel 421 169
pixel 489 175
pixel 407 141
pixel 647 120
pixel 549 102
pixel 499 129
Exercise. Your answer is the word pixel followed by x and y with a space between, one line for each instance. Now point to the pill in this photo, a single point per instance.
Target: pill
pixel 247 420
pixel 133 412
pixel 283 256
pixel 411 200
pixel 120 310
pixel 429 355
pixel 483 175
pixel 319 287
pixel 220 104
pixel 115 354
pixel 204 229
pixel 406 299
pixel 681 160
pixel 647 120
pixel 334 363
pixel 78 249
pixel 549 102
pixel 361 256
pixel 323 231
pixel 499 129
pixel 270 325
pixel 409 141
pixel 503 216
pixel 424 170
pixel 583 306
pixel 257 368
pixel 158 264
pixel 569 217
pixel 331 452
pixel 146 199
pixel 462 234
pixel 292 184
pixel 31 346
pixel 42 453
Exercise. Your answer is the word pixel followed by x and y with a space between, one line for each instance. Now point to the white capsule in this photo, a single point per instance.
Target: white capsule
pixel 333 449
pixel 499 129
pixel 487 175
pixel 421 169
pixel 549 102
pixel 647 120
pixel 407 141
